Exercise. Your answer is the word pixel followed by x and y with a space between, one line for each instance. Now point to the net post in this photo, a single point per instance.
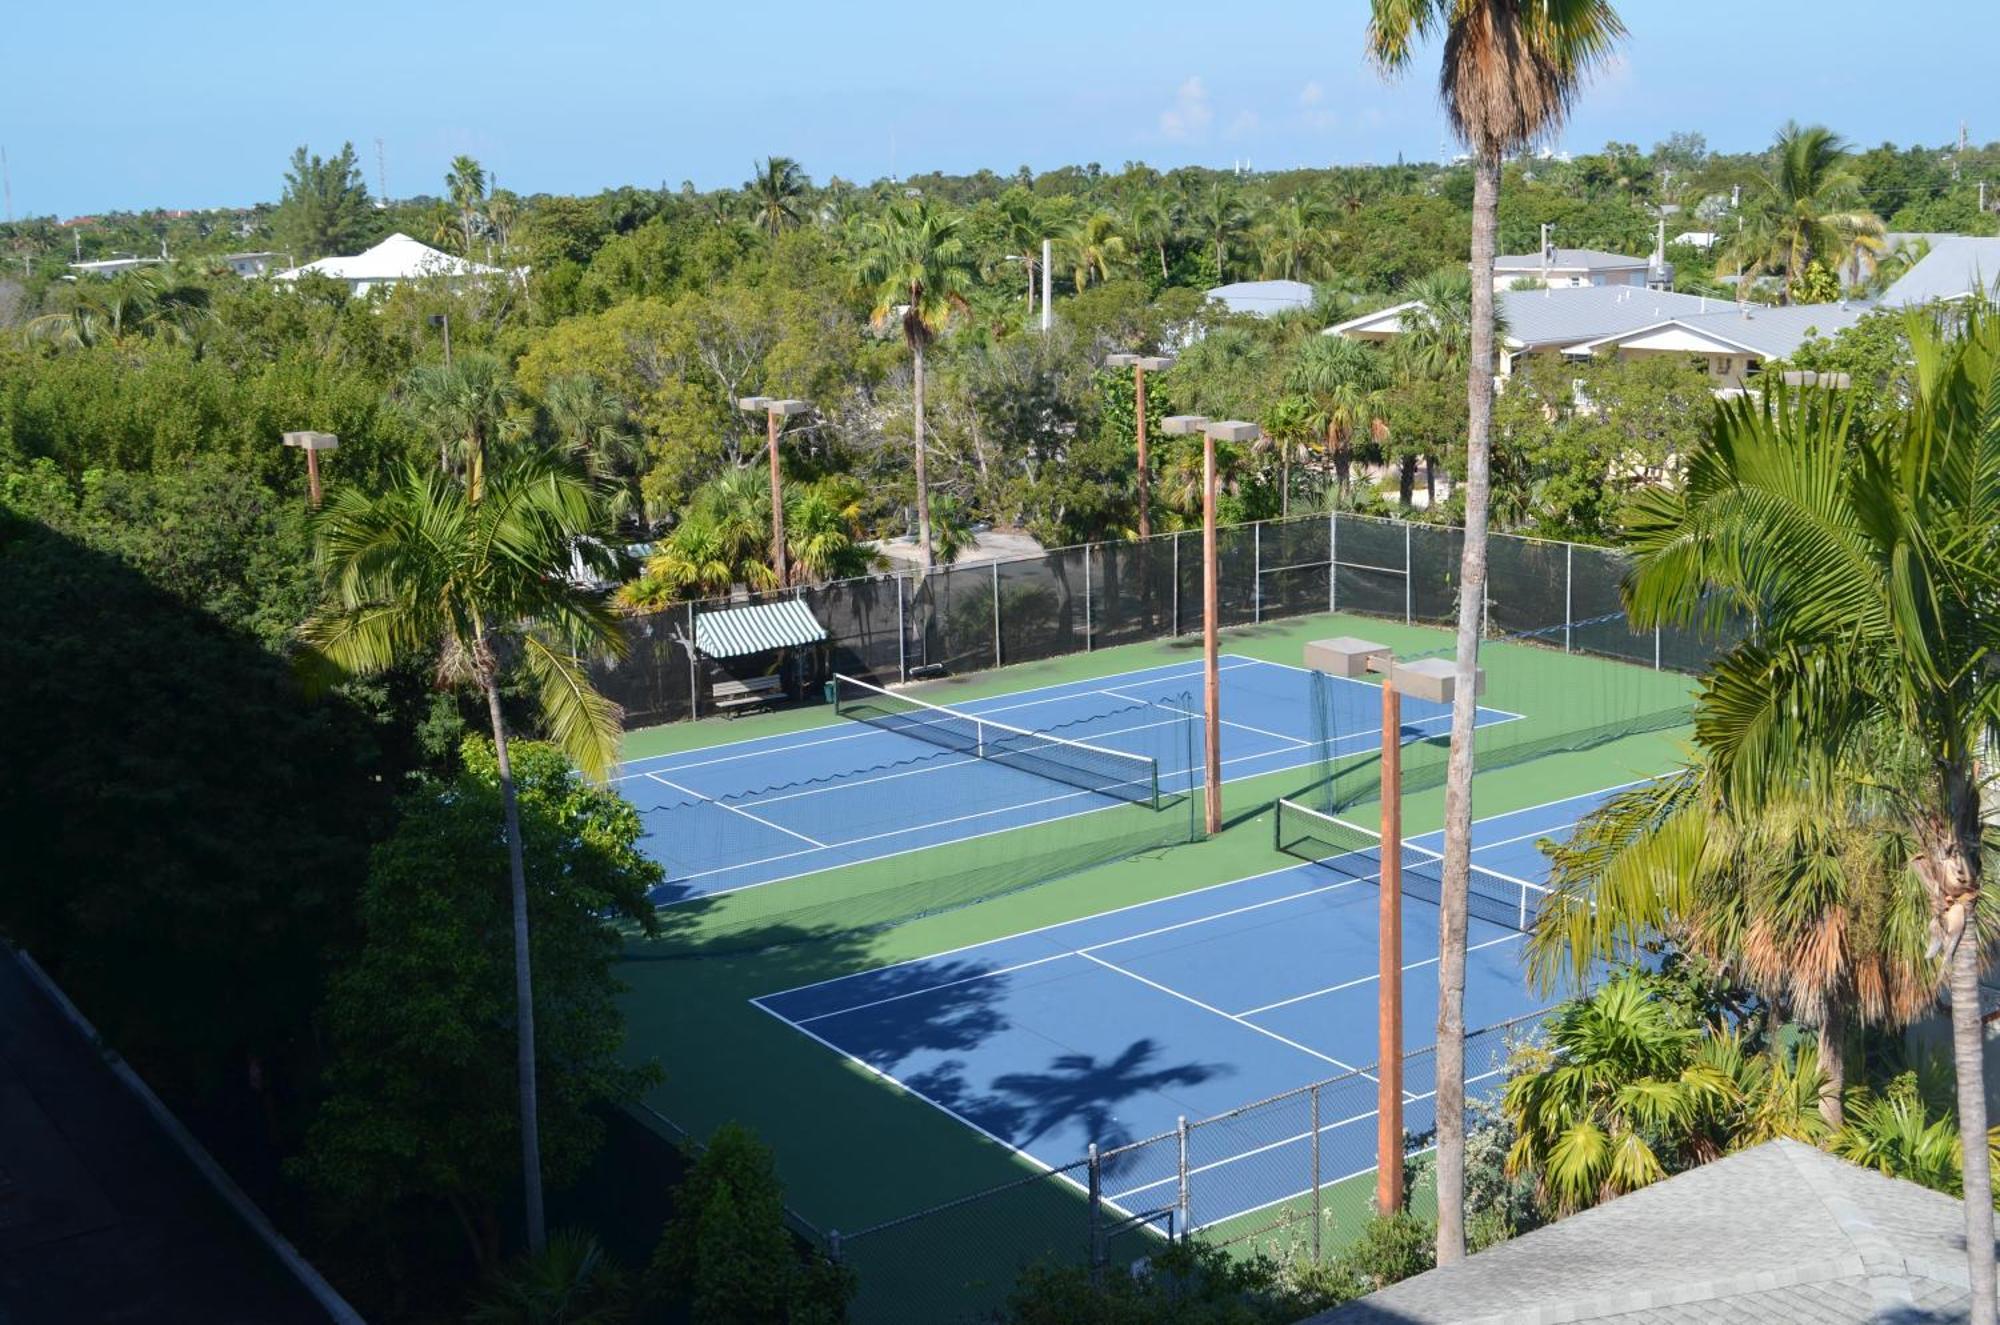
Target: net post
pixel 1174 627
pixel 997 660
pixel 833 1245
pixel 1257 573
pixel 1181 1202
pixel 902 634
pixel 1569 592
pixel 694 669
pixel 1096 1190
pixel 1656 648
pixel 1409 577
pixel 1316 1214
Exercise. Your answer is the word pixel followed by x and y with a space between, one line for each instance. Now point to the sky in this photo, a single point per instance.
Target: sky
pixel 200 104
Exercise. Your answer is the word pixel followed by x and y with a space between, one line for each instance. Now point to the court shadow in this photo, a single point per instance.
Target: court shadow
pixel 1077 1090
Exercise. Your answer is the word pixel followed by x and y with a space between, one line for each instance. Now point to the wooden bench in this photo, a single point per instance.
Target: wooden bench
pixel 734 694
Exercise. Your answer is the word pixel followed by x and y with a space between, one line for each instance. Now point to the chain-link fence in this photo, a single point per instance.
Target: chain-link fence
pixel 1293 1174
pixel 953 619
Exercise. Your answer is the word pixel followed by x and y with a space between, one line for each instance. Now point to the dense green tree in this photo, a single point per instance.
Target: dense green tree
pixel 325 206
pixel 1804 208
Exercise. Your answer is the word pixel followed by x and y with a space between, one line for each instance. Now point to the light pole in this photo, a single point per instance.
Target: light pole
pixel 775 411
pixel 1141 365
pixel 312 443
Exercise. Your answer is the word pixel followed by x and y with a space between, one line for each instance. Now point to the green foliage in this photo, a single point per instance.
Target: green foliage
pixel 1875 354
pixel 325 206
pixel 1184 1283
pixel 572 1283
pixel 726 1254
pixel 420 1104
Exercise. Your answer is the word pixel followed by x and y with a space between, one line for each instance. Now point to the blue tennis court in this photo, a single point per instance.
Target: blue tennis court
pixel 760 811
pixel 1108 1029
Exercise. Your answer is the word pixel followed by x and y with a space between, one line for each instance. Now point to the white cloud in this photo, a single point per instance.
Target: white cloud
pixel 1191 114
pixel 1311 94
pixel 1243 123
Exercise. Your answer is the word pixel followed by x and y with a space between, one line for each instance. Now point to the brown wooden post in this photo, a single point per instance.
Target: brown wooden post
pixel 773 418
pixel 312 475
pixel 1211 688
pixel 1145 478
pixel 1389 925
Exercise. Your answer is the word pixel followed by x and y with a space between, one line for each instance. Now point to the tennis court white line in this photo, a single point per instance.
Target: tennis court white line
pixel 1205 1007
pixel 1190 713
pixel 733 809
pixel 1373 976
pixel 1231 662
pixel 927 989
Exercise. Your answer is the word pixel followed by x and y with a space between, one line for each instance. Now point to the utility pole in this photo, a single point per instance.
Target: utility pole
pixel 1141 365
pixel 1048 283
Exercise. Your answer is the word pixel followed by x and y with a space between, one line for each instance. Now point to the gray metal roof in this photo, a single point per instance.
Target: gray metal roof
pixel 1568 259
pixel 737 631
pixel 1541 319
pixel 1264 298
pixel 1956 266
pixel 1779 1233
pixel 1760 329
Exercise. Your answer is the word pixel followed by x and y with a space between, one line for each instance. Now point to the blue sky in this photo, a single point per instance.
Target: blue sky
pixel 130 105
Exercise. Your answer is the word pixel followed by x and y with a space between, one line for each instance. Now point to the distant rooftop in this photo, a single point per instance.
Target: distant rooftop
pixel 1264 298
pixel 1568 259
pixel 1956 266
pixel 1538 319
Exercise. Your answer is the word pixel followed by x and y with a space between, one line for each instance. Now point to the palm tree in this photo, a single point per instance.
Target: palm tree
pixel 777 195
pixel 465 406
pixel 430 569
pixel 593 425
pixel 465 186
pixel 1095 248
pixel 1511 70
pixel 1865 555
pixel 1220 218
pixel 1344 381
pixel 1437 328
pixel 1296 238
pixel 1806 207
pixel 1023 225
pixel 1151 218
pixel 1800 896
pixel 914 265
pixel 148 302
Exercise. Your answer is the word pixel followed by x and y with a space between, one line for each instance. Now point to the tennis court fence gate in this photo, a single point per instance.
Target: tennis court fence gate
pixel 1292 1175
pixel 890 628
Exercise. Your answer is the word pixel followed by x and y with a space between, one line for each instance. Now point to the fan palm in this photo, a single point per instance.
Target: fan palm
pixel 1511 70
pixel 1865 553
pixel 593 425
pixel 428 569
pixel 1437 328
pixel 465 405
pixel 916 267
pixel 1806 207
pixel 1344 381
pixel 777 195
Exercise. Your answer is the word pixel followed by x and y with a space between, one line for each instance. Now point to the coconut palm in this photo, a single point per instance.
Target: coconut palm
pixel 148 302
pixel 777 195
pixel 465 186
pixel 465 406
pixel 1865 555
pixel 1151 218
pixel 1220 218
pixel 915 266
pixel 1023 224
pixel 428 569
pixel 1344 382
pixel 1295 239
pixel 1095 248
pixel 1511 70
pixel 1806 207
pixel 1802 896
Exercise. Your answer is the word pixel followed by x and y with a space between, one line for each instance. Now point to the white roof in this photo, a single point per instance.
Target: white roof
pixel 1543 319
pixel 1768 333
pixel 1956 266
pixel 1264 298
pixel 1568 259
pixel 396 258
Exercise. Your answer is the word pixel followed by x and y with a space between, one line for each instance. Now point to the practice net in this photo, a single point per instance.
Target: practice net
pixel 1115 773
pixel 1356 852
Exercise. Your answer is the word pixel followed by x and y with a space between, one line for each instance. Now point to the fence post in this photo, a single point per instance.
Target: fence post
pixel 1181 1201
pixel 1409 577
pixel 1569 592
pixel 1315 1171
pixel 833 1245
pixel 1656 648
pixel 1088 548
pixel 1257 573
pixel 1174 627
pixel 694 670
pixel 996 614
pixel 902 634
pixel 1332 562
pixel 1096 1198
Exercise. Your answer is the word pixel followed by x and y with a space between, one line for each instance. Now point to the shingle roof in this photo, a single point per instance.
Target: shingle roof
pixel 737 631
pixel 1956 266
pixel 1566 258
pixel 1780 1233
pixel 1263 298
pixel 1769 332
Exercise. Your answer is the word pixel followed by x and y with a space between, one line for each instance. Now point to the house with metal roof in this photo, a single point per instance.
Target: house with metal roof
pixel 1782 1234
pixel 1732 344
pixel 1570 268
pixel 397 258
pixel 1956 267
pixel 1263 298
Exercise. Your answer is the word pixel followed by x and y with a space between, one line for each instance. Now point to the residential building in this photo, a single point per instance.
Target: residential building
pixel 1781 1233
pixel 1264 298
pixel 252 264
pixel 113 266
pixel 397 258
pixel 1732 344
pixel 1569 268
pixel 1956 267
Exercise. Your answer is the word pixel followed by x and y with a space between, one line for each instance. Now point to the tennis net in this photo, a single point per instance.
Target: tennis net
pixel 1114 773
pixel 1357 852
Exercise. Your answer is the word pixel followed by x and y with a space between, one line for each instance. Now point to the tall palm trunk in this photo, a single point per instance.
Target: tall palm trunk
pixel 1336 449
pixel 524 985
pixel 1833 1061
pixel 923 480
pixel 1458 771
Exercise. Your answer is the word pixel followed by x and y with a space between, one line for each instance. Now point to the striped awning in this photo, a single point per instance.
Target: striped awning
pixel 736 631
